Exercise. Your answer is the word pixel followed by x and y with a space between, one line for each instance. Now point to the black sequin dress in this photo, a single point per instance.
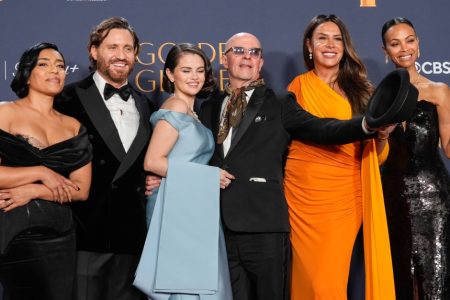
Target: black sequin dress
pixel 416 188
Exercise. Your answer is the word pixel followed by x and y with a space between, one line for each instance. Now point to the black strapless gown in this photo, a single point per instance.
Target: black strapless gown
pixel 37 240
pixel 416 188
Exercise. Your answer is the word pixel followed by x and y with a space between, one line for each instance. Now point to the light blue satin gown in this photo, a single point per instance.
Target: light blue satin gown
pixel 184 257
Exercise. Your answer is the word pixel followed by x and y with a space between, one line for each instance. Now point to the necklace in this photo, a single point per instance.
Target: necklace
pixel 417 80
pixel 194 114
pixel 191 112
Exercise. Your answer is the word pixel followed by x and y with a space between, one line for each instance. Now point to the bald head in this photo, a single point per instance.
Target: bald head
pixel 244 63
pixel 232 41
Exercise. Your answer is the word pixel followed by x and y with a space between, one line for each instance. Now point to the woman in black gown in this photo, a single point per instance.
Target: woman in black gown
pixel 44 164
pixel 416 183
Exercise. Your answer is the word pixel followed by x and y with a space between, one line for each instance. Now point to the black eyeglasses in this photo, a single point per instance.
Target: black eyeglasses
pixel 241 51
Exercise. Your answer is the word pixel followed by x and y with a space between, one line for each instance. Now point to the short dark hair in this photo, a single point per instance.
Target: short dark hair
pixel 172 60
pixel 101 31
pixel 392 22
pixel 27 62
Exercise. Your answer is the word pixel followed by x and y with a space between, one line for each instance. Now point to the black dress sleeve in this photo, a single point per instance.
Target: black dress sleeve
pixel 327 131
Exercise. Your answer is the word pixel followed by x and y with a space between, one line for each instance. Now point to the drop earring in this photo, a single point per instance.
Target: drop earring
pixel 386 59
pixel 418 53
pixel 310 56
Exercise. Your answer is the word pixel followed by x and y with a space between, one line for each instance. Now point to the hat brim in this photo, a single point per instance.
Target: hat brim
pixel 393 101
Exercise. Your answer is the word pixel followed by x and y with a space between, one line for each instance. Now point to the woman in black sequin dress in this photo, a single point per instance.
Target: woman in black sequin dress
pixel 416 183
pixel 44 164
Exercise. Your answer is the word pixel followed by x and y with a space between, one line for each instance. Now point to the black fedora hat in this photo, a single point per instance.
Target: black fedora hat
pixel 393 101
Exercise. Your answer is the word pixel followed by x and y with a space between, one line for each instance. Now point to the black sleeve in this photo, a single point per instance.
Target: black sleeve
pixel 327 131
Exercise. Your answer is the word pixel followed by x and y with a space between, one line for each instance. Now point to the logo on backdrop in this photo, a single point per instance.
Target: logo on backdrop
pixel 9 69
pixel 367 3
pixel 148 73
pixel 150 64
pixel 433 67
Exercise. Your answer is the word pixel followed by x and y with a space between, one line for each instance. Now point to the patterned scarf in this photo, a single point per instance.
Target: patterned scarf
pixel 235 108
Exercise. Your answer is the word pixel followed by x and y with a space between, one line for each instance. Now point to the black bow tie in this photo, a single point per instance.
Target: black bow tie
pixel 124 92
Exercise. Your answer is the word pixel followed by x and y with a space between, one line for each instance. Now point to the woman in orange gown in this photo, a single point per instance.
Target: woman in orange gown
pixel 326 185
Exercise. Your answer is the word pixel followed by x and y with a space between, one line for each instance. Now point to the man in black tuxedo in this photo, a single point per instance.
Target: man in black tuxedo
pixel 252 147
pixel 111 223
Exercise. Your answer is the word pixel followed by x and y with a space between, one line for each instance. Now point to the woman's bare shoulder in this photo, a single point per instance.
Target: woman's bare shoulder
pixel 8 112
pixel 175 104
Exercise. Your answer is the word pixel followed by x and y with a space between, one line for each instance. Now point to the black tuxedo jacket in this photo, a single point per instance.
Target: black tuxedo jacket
pixel 112 219
pixel 254 201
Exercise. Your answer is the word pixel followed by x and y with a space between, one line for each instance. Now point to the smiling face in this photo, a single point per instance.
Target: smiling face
pixel 402 45
pixel 115 56
pixel 242 69
pixel 188 75
pixel 326 45
pixel 48 76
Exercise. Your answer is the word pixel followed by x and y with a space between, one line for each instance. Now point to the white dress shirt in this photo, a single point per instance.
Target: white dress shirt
pixel 123 113
pixel 227 142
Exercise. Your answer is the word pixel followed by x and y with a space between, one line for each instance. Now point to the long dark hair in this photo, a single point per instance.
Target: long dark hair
pixel 27 62
pixel 352 75
pixel 172 61
pixel 392 22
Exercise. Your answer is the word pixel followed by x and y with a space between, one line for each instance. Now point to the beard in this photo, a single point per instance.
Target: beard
pixel 113 74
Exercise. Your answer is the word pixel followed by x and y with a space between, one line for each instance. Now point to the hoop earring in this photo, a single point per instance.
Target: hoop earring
pixel 386 59
pixel 310 56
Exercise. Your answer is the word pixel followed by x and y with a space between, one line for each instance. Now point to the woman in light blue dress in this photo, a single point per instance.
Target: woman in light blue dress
pixel 184 256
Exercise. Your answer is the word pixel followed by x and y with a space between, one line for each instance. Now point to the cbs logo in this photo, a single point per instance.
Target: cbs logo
pixel 433 67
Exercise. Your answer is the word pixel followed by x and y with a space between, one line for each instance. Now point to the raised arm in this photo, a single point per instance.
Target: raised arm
pixel 306 127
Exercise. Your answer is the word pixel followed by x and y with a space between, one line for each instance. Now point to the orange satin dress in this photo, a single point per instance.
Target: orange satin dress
pixel 329 190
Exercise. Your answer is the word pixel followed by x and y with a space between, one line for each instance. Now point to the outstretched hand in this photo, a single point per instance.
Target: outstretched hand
pixel 385 131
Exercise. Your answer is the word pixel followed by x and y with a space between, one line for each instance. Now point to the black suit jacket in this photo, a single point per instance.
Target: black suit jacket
pixel 112 219
pixel 258 150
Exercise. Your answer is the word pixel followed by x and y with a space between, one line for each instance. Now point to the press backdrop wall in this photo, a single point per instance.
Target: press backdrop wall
pixel 160 23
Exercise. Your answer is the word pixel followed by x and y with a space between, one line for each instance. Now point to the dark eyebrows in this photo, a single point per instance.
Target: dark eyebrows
pixel 398 40
pixel 58 60
pixel 325 34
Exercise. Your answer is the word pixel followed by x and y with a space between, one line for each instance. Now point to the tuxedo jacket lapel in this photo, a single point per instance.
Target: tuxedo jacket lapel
pixel 93 103
pixel 254 104
pixel 142 135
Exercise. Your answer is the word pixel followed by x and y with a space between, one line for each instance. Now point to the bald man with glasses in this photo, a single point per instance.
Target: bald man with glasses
pixel 253 126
